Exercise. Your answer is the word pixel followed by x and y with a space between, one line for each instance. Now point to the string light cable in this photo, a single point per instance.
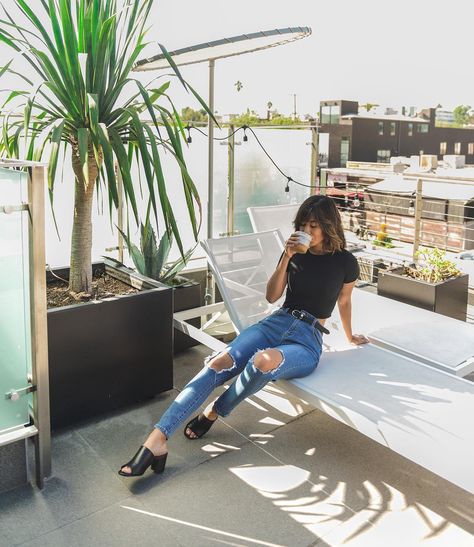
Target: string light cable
pixel 245 139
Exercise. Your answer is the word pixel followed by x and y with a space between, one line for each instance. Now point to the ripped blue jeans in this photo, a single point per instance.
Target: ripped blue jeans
pixel 298 342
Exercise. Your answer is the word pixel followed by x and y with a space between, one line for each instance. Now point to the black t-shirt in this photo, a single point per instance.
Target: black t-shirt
pixel 315 281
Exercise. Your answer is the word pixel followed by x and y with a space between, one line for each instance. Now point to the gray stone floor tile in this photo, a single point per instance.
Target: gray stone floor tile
pixel 188 363
pixel 116 439
pixel 372 477
pixel 81 484
pixel 245 497
pixel 122 524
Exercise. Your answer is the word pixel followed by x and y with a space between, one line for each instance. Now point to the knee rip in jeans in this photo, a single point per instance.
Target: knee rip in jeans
pixel 216 367
pixel 264 360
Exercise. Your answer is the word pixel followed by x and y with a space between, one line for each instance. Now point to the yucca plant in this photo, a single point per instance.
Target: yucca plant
pixel 86 98
pixel 151 258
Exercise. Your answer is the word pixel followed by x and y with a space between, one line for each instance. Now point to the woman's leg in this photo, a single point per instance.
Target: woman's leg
pixel 284 361
pixel 217 370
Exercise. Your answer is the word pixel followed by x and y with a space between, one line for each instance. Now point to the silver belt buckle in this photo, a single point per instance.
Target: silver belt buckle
pixel 297 314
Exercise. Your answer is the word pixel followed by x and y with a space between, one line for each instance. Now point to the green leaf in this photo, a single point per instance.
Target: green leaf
pixel 134 252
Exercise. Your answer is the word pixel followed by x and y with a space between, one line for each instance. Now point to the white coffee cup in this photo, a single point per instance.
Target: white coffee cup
pixel 304 241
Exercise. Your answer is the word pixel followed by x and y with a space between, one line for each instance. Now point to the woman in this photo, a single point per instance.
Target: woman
pixel 315 281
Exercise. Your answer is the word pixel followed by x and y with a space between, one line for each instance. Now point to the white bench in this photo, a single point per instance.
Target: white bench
pixel 418 411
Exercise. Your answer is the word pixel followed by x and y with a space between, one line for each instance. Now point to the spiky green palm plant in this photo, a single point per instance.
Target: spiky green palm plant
pixel 83 52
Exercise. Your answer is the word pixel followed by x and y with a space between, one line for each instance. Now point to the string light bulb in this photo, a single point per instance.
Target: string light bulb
pixel 189 139
pixel 245 138
pixel 356 201
pixel 411 206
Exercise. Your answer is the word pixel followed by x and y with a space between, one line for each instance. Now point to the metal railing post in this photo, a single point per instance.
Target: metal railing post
pixel 119 212
pixel 210 295
pixel 323 182
pixel 418 210
pixel 230 180
pixel 314 157
pixel 39 335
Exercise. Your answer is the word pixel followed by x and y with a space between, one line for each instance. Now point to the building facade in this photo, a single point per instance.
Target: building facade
pixel 375 137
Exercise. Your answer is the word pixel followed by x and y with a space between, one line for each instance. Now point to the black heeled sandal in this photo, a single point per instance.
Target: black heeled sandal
pixel 142 460
pixel 199 425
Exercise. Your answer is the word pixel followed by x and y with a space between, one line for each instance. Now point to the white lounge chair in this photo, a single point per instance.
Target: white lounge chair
pixel 420 412
pixel 405 329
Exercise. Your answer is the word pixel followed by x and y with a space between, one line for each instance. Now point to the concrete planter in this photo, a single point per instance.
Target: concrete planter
pixel 107 354
pixel 446 297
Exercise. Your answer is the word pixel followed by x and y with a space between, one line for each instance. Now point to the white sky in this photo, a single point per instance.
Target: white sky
pixel 409 52
pixel 412 52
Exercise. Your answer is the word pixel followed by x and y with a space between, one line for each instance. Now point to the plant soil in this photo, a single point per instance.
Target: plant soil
pixel 103 286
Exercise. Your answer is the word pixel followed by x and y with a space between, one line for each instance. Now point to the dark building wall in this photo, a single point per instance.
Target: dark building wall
pixel 366 140
pixel 336 132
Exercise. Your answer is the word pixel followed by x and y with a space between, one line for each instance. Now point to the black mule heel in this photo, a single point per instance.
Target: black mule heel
pixel 158 465
pixel 142 460
pixel 199 425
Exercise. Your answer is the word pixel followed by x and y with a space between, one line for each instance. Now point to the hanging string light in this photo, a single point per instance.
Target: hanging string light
pixel 411 205
pixel 189 140
pixel 356 202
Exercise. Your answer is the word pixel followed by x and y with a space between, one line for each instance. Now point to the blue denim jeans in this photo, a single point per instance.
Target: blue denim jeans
pixel 298 342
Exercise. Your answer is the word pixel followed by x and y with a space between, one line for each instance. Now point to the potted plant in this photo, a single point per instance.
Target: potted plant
pixel 151 261
pixel 86 100
pixel 433 283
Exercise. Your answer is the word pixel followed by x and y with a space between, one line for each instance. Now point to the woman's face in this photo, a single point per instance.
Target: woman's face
pixel 313 228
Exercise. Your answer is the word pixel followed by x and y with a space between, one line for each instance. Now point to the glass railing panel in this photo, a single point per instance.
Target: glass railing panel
pixel 257 180
pixel 15 333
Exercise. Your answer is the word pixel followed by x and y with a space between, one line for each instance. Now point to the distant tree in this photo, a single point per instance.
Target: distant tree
pixel 250 117
pixel 369 106
pixel 462 114
pixel 188 114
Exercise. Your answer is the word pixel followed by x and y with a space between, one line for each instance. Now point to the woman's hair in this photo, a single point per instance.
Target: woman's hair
pixel 323 210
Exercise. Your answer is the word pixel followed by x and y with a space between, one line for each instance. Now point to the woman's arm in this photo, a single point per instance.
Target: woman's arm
pixel 344 303
pixel 277 282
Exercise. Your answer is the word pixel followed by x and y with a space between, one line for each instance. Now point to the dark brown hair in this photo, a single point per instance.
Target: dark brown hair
pixel 323 210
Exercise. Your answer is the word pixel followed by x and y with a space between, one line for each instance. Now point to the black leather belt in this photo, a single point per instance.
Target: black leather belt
pixel 304 316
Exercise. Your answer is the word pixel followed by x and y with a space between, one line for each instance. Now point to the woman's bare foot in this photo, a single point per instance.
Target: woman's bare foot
pixel 209 413
pixel 156 442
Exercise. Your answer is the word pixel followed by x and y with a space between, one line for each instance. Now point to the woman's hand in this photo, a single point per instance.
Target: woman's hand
pixel 359 339
pixel 290 244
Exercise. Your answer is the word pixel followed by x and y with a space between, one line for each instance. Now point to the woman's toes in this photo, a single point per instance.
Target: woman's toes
pixel 126 470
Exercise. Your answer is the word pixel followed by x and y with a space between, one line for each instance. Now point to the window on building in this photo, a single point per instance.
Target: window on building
pixel 457 147
pixel 325 114
pixel 442 148
pixel 410 130
pixel 393 128
pixel 344 150
pixel 383 156
pixel 423 128
pixel 380 128
pixel 470 148
pixel 330 114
